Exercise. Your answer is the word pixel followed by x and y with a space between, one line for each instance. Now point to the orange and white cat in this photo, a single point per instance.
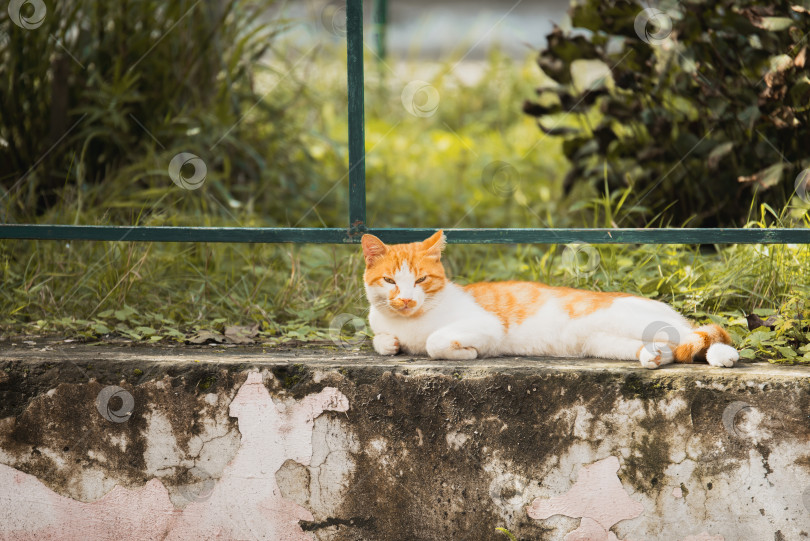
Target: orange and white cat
pixel 415 309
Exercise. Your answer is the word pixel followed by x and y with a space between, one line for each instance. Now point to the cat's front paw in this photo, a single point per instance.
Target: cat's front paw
pixel 654 355
pixel 386 344
pixel 722 355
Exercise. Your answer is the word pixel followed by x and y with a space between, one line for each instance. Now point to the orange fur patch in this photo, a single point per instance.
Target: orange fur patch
pixel 514 301
pixel 686 352
pixel 579 303
pixel 696 345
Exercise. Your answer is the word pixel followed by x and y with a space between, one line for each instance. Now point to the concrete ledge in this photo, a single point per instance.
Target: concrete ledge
pixel 105 442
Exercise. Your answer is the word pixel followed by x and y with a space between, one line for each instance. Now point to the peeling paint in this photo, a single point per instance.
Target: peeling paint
pixel 245 503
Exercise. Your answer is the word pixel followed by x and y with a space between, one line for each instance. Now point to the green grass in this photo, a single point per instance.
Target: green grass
pixel 430 172
pixel 154 292
pixel 507 533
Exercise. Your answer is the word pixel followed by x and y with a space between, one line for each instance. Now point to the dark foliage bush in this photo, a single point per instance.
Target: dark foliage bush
pixel 706 106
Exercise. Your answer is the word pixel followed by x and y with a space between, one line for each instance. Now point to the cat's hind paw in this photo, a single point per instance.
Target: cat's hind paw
pixel 386 344
pixel 722 355
pixel 654 355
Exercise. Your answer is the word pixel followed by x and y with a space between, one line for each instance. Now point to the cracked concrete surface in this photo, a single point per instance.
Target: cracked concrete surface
pixel 427 449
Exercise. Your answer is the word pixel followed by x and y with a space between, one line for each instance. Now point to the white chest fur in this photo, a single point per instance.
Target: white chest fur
pixel 452 306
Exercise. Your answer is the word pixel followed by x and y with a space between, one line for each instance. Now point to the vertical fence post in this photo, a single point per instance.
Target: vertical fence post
pixel 357 158
pixel 380 23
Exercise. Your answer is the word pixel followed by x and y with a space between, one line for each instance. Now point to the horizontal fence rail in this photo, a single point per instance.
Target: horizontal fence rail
pixel 393 235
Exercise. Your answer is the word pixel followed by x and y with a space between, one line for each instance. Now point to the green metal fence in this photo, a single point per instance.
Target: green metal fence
pixel 357 206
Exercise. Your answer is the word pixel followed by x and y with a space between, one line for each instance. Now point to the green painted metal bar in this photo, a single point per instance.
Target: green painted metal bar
pixel 357 158
pixel 395 235
pixel 380 27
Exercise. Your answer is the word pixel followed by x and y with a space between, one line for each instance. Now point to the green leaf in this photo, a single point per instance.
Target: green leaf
pixel 718 320
pixel 100 328
pixel 589 74
pixel 787 352
pixel 780 62
pixel 748 116
pixel 147 331
pixel 718 153
pixel 771 176
pixel 774 24
pixel 747 353
pixel 125 313
pixel 174 333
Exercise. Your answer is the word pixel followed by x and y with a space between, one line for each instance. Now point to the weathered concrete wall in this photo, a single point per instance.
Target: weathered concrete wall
pixel 142 443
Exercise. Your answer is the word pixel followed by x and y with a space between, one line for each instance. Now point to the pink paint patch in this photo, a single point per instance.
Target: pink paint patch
pixel 245 503
pixel 612 537
pixel 589 530
pixel 600 500
pixel 33 511
pixel 597 495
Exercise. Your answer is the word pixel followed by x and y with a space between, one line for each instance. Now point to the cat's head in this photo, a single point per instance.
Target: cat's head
pixel 404 278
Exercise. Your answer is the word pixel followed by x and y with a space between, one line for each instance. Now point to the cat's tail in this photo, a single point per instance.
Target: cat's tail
pixel 711 342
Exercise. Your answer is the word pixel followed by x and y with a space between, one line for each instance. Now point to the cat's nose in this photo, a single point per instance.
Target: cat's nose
pixel 408 302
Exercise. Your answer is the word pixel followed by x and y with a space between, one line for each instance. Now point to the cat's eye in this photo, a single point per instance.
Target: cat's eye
pixel 389 280
pixel 422 279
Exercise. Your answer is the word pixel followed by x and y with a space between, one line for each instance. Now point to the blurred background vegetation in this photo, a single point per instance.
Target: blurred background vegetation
pixel 97 101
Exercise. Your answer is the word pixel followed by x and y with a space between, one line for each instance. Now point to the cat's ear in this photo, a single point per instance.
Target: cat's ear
pixel 434 244
pixel 373 248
